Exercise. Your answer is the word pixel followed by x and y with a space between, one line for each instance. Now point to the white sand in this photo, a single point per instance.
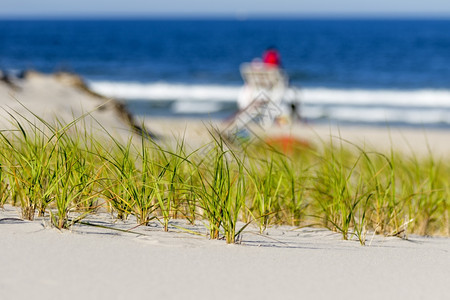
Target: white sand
pixel 58 96
pixel 410 141
pixel 95 263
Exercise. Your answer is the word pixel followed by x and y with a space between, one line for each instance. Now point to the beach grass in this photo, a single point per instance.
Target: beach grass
pixel 64 174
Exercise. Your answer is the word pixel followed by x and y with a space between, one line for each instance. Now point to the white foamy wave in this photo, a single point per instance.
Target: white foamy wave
pixel 379 115
pixel 195 107
pixel 165 91
pixel 404 98
pixel 315 96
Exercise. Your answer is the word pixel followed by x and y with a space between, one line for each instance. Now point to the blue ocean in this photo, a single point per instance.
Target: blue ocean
pixel 363 72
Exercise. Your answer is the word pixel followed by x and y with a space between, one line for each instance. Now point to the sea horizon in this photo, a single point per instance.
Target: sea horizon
pixel 354 70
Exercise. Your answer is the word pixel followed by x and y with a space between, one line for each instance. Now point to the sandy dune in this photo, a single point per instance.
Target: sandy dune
pixel 64 97
pixel 96 263
pixel 38 262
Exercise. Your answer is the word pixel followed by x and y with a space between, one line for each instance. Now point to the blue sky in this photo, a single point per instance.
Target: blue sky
pixel 240 8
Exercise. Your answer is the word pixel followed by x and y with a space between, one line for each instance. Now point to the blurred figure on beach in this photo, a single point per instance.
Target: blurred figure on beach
pixel 262 74
pixel 266 97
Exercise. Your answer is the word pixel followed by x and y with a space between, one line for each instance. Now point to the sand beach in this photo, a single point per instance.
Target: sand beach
pixel 86 262
pixel 64 96
pixel 117 259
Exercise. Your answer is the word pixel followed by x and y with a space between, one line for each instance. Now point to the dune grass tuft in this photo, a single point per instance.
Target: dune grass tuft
pixel 62 173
